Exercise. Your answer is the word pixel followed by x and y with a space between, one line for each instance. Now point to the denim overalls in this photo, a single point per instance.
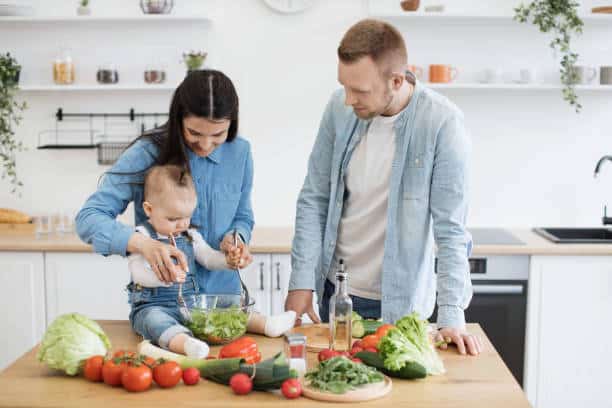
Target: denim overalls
pixel 155 313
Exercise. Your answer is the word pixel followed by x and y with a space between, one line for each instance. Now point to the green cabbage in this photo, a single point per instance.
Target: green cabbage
pixel 415 330
pixel 71 339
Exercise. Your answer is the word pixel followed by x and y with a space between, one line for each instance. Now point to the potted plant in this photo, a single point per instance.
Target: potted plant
pixel 561 18
pixel 10 116
pixel 194 60
pixel 83 9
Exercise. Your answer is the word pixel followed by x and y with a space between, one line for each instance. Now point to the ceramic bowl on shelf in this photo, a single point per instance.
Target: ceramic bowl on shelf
pixel 156 6
pixel 410 5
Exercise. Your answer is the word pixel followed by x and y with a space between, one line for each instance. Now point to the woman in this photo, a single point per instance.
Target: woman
pixel 201 135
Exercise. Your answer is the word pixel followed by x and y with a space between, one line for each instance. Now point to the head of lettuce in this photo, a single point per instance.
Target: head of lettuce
pixel 71 339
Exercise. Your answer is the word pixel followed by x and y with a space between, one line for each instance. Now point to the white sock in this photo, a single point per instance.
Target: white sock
pixel 195 348
pixel 278 324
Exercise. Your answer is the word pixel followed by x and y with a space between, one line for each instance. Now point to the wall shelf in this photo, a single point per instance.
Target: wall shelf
pixel 483 19
pixel 98 88
pixel 104 19
pixel 517 87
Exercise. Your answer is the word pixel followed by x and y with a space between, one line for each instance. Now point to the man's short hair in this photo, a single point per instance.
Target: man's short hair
pixel 377 39
pixel 167 179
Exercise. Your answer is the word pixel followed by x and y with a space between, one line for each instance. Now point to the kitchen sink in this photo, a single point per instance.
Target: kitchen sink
pixel 576 235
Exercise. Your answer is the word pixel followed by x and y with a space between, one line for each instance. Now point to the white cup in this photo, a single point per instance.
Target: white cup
pixel 527 76
pixel 490 75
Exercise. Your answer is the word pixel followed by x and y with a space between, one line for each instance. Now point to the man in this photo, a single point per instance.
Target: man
pixel 387 174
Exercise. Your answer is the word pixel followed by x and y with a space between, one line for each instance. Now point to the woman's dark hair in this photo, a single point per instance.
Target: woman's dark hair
pixel 206 94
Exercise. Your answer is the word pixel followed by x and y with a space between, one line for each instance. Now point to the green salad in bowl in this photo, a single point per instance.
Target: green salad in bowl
pixel 218 319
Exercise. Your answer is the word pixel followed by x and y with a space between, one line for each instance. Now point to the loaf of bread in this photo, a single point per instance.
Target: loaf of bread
pixel 8 216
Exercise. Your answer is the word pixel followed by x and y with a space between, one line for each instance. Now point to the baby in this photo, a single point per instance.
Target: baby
pixel 169 201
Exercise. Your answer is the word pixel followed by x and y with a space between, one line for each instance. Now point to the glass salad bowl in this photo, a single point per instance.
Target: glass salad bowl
pixel 218 319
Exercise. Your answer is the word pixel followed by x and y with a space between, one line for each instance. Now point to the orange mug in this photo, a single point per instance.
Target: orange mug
pixel 442 73
pixel 416 70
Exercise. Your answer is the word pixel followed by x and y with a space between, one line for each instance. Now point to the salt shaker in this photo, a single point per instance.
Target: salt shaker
pixel 295 350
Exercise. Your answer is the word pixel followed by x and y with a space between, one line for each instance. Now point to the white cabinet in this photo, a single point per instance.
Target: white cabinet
pixel 22 301
pixel 87 283
pixel 256 277
pixel 281 272
pixel 569 329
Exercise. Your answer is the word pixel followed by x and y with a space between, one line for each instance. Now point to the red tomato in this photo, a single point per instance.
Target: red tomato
pixel 355 350
pixel 241 384
pixel 191 376
pixel 137 378
pixel 370 341
pixel 382 330
pixel 111 372
pixel 150 361
pixel 123 353
pixel 326 354
pixel 167 374
pixel 358 343
pixel 93 368
pixel 291 388
pixel 371 350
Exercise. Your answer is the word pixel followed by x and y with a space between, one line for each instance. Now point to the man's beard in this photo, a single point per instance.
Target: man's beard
pixel 388 97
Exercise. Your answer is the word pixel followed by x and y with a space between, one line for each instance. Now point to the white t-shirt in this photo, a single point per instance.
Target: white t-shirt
pixel 143 275
pixel 362 227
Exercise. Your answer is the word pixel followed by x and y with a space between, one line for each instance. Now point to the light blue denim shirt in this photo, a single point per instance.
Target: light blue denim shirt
pixel 428 199
pixel 223 182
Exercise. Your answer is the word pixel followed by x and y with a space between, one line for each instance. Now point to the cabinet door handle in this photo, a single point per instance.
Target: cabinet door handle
pixel 261 276
pixel 278 276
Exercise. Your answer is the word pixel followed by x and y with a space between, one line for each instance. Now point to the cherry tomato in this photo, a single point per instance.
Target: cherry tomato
pixel 291 388
pixel 167 374
pixel 93 368
pixel 151 362
pixel 370 341
pixel 137 378
pixel 355 350
pixel 241 384
pixel 123 353
pixel 112 371
pixel 357 343
pixel 326 354
pixel 191 376
pixel 382 330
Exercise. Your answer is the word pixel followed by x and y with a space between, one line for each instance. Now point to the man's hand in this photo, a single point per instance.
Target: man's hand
pixel 237 256
pixel 300 301
pixel 462 339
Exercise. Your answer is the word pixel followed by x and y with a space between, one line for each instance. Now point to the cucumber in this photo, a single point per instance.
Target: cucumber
pixel 410 371
pixel 362 328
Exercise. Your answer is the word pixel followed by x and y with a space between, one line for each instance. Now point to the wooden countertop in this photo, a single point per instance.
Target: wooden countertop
pixel 278 240
pixel 474 382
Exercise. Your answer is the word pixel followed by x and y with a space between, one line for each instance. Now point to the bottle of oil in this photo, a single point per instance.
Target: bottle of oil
pixel 340 313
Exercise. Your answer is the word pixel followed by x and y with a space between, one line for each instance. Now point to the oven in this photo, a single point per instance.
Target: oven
pixel 499 305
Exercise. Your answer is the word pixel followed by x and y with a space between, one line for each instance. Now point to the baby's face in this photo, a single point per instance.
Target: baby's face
pixel 171 216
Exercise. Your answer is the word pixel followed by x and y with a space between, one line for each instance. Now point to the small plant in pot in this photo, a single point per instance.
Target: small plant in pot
pixel 194 60
pixel 10 116
pixel 83 9
pixel 561 18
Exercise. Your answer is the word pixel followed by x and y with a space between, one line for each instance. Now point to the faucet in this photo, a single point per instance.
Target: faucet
pixel 605 219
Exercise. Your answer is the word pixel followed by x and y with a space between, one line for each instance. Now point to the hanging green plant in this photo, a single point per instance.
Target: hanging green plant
pixel 561 18
pixel 10 116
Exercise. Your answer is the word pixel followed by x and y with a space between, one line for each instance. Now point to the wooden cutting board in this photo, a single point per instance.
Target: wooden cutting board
pixel 317 336
pixel 363 393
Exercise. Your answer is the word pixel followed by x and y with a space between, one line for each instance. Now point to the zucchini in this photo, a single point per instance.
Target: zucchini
pixel 363 328
pixel 412 370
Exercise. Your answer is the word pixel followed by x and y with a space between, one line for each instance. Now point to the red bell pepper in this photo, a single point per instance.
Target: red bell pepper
pixel 244 347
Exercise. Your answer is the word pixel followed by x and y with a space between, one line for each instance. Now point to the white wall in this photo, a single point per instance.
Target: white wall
pixel 533 156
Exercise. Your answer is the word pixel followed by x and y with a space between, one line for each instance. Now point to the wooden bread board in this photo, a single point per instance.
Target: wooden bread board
pixel 364 393
pixel 605 9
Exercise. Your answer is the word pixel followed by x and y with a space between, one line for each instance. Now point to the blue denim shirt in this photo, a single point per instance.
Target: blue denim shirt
pixel 223 182
pixel 428 199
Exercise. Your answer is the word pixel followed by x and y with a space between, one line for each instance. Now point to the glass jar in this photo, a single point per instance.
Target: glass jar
pixel 63 68
pixel 295 351
pixel 107 74
pixel 154 74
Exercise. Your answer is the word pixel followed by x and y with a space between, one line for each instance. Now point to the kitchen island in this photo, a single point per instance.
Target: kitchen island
pixel 482 381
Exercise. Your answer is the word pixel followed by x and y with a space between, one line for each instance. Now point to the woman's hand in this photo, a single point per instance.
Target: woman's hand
pixel 237 257
pixel 159 256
